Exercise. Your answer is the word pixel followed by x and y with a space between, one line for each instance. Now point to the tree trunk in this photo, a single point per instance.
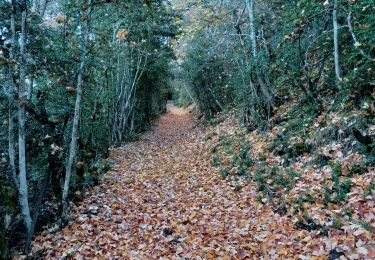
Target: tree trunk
pixel 11 101
pixel 250 9
pixel 11 123
pixel 30 89
pixel 77 108
pixel 336 42
pixel 23 189
pixel 36 210
pixel 262 86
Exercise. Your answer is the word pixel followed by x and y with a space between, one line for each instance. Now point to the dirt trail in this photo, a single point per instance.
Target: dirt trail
pixel 163 199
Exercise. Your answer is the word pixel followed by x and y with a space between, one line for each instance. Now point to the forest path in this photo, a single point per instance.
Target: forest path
pixel 164 199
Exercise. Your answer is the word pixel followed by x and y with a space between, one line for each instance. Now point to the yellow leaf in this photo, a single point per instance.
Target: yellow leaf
pixel 122 33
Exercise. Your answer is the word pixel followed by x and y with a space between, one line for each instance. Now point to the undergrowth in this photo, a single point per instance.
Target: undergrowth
pixel 308 133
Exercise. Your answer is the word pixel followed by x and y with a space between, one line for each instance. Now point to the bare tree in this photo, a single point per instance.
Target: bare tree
pixel 130 65
pixel 86 17
pixel 22 99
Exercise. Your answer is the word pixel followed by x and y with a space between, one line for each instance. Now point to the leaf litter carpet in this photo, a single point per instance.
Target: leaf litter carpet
pixel 164 200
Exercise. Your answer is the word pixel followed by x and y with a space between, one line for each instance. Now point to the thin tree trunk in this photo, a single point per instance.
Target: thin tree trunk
pixel 336 42
pixel 77 108
pixel 23 190
pixel 36 210
pixel 30 89
pixel 11 92
pixel 250 10
pixel 264 88
pixel 190 95
pixel 11 144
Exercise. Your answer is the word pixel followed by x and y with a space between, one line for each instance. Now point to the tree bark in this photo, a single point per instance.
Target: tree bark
pixel 336 42
pixel 77 108
pixel 23 187
pixel 250 10
pixel 36 210
pixel 11 101
pixel 30 89
pixel 261 79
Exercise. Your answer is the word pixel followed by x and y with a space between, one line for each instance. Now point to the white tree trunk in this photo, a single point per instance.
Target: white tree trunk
pixel 30 89
pixel 336 41
pixel 77 109
pixel 23 190
pixel 11 145
pixel 11 103
pixel 250 10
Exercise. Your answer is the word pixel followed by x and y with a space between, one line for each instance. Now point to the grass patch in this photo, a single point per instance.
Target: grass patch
pixel 341 186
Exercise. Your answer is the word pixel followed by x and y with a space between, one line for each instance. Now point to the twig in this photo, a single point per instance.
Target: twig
pixel 356 43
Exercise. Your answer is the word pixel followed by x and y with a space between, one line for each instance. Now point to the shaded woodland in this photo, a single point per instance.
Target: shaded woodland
pixel 284 91
pixel 78 77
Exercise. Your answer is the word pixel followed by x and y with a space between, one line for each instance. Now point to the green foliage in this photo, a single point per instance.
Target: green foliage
pixel 129 77
pixel 224 173
pixel 370 151
pixel 126 82
pixel 308 224
pixel 216 161
pixel 305 197
pixel 8 207
pixel 371 188
pixel 321 160
pixel 243 161
pixel 237 150
pixel 365 225
pixel 273 182
pixel 294 44
pixel 341 186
